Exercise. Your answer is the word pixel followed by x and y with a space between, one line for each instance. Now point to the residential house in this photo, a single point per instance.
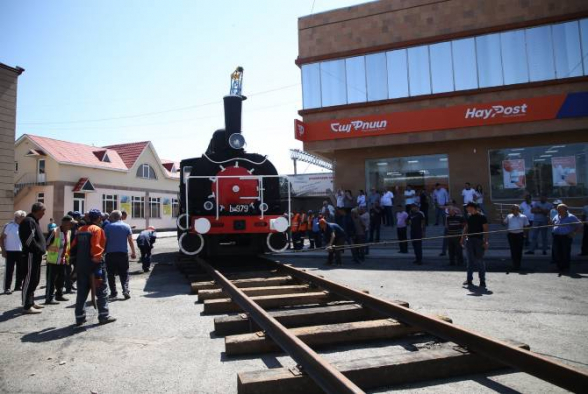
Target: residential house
pixel 68 176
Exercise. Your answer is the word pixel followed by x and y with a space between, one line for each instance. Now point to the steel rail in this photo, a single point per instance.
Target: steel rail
pixel 543 368
pixel 324 374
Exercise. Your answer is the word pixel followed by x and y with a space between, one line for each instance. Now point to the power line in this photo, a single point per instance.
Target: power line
pixel 155 112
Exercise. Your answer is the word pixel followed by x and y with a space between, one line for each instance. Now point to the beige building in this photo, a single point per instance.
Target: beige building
pixel 8 83
pixel 68 176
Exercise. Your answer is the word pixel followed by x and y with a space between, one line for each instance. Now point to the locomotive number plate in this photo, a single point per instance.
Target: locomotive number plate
pixel 239 208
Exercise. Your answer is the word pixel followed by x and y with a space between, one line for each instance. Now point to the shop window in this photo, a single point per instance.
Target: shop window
pixel 418 71
pixel 355 71
pixel 79 202
pixel 465 72
pixel 175 208
pixel 584 40
pixel 333 89
pixel 377 84
pixel 138 207
pixel 155 207
pixel 397 73
pixel 540 53
pixel 441 67
pixel 109 202
pixel 558 171
pixel 145 171
pixel 395 174
pixel 566 43
pixel 489 60
pixel 311 86
pixel 514 57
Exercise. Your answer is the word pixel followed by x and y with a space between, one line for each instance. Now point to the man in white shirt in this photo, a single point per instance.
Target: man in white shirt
pixel 12 253
pixel 526 209
pixel 441 200
pixel 340 199
pixel 469 195
pixel 387 202
pixel 409 197
pixel 516 223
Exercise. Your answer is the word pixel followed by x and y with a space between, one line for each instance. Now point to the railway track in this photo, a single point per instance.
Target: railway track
pixel 271 307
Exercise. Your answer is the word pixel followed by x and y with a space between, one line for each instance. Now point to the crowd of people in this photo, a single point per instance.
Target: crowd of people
pixel 355 221
pixel 84 254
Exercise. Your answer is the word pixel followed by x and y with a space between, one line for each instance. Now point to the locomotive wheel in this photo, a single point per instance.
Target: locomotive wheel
pixel 277 242
pixel 191 244
pixel 181 222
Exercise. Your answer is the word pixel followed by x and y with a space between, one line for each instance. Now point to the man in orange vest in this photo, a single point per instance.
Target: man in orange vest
pixel 57 259
pixel 296 222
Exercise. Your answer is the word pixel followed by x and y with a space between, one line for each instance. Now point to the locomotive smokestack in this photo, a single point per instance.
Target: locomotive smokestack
pixel 233 105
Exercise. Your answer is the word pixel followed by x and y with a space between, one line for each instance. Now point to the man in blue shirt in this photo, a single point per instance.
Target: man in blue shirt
pixel 565 227
pixel 335 239
pixel 118 236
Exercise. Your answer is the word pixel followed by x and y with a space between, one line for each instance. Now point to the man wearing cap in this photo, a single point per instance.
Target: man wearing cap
pixel 118 236
pixel 565 227
pixel 145 242
pixel 33 247
pixel 58 248
pixel 335 239
pixel 88 249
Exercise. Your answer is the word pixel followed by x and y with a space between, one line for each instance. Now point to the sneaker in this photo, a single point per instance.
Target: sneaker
pixel 483 284
pixel 468 283
pixel 127 296
pixel 107 320
pixel 80 322
pixel 61 298
pixel 37 306
pixel 112 297
pixel 7 291
pixel 529 252
pixel 51 302
pixel 30 311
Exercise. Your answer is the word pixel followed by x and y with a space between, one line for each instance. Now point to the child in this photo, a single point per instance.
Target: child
pixel 145 242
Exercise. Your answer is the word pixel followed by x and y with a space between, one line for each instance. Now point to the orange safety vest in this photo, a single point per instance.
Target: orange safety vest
pixel 296 223
pixel 303 223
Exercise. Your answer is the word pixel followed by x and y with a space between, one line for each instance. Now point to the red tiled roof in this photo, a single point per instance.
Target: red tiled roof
pixel 130 152
pixel 74 153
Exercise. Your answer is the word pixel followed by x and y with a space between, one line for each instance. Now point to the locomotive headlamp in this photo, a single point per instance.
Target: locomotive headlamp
pixel 202 225
pixel 237 141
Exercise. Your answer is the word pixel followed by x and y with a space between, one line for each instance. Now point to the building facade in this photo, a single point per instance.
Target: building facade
pixel 8 88
pixel 67 176
pixel 419 92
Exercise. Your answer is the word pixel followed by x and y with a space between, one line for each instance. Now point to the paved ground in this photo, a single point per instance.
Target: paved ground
pixel 161 343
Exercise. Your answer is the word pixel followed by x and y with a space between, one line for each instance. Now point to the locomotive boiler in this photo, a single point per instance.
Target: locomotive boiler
pixel 232 202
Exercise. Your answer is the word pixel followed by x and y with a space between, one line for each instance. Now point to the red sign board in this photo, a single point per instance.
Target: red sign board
pixel 470 115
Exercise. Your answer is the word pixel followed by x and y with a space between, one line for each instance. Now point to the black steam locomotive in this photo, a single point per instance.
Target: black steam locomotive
pixel 231 201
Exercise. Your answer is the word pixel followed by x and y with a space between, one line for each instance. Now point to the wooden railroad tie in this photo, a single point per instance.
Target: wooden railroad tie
pixel 258 281
pixel 212 294
pixel 447 361
pixel 240 324
pixel 226 305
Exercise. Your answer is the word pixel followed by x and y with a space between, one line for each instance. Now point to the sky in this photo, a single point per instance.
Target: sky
pixel 110 71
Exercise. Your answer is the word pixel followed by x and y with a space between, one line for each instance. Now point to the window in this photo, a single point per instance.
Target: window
pixel 510 57
pixel 41 197
pixel 138 207
pixel 465 70
pixel 311 86
pixel 419 172
pixel 377 80
pixel 333 89
pixel 489 60
pixel 441 67
pixel 418 71
pixel 397 74
pixel 514 57
pixel 16 166
pixel 540 53
pixel 566 42
pixel 356 91
pixel 109 202
pixel 558 171
pixel 79 202
pixel 145 171
pixel 175 208
pixel 154 207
